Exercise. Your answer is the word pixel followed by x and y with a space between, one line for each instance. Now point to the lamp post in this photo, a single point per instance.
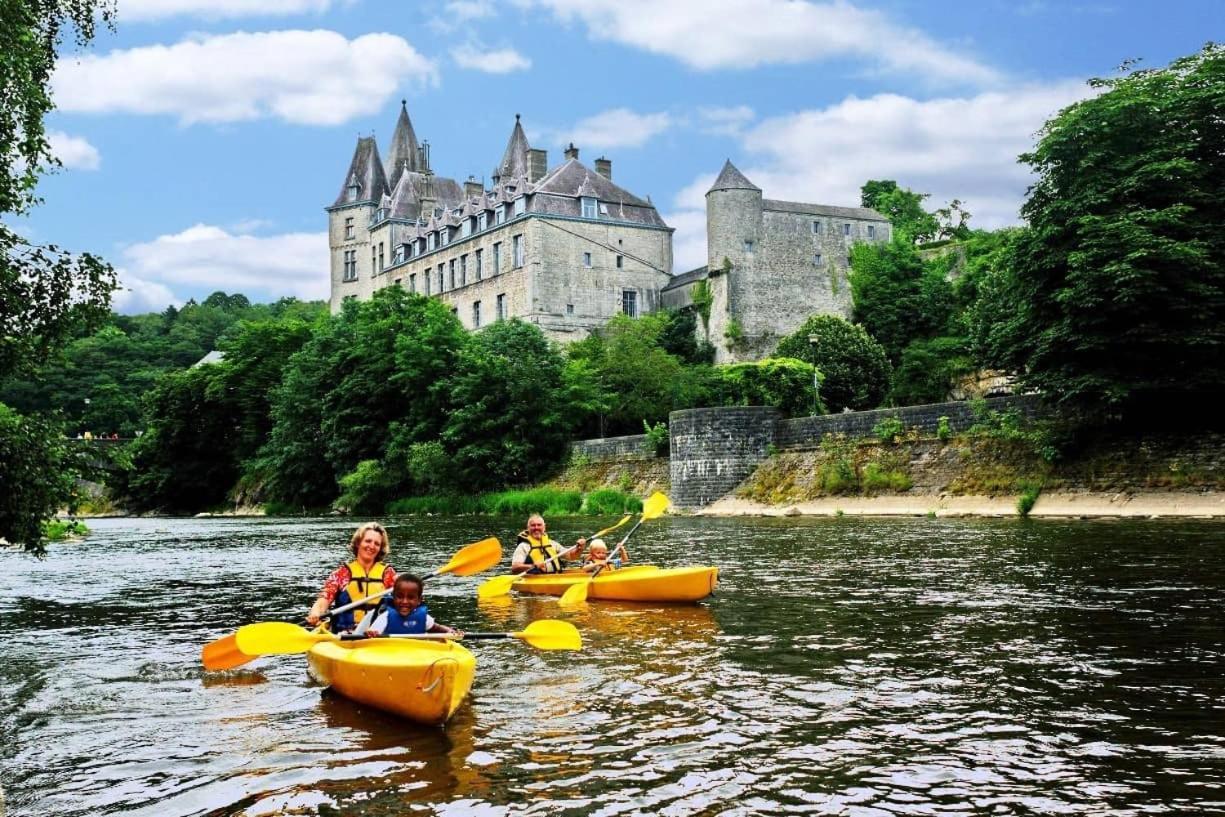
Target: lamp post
pixel 816 376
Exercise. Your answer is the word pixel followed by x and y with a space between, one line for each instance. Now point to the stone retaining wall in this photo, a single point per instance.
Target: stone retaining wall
pixel 714 449
pixel 613 449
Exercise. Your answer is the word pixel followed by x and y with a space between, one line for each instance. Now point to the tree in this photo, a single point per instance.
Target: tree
pixel 854 366
pixel 507 423
pixel 46 295
pixel 1114 299
pixel 785 383
pixel 897 297
pixel 903 208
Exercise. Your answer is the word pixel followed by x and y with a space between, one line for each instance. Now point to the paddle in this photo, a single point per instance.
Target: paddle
pixel 500 585
pixel 654 506
pixel 280 638
pixel 224 653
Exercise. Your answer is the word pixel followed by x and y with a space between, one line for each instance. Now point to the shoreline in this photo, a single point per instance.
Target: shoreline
pixel 1055 505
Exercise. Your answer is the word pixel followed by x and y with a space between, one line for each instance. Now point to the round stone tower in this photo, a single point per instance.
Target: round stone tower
pixel 733 236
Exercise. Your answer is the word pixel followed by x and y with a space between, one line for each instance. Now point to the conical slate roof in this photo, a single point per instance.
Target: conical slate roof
pixel 732 179
pixel 514 159
pixel 403 154
pixel 366 170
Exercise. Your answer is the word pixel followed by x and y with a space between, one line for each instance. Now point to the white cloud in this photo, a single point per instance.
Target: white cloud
pixel 616 128
pixel 306 77
pixel 74 152
pixel 964 148
pixel 209 257
pixel 716 34
pixel 725 121
pixel 491 61
pixel 456 13
pixel 136 295
pixel 143 10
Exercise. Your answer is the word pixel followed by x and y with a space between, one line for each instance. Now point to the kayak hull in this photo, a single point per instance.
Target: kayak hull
pixel 423 681
pixel 633 583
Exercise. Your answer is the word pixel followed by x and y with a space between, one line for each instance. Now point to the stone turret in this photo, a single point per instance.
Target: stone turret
pixel 733 232
pixel 404 153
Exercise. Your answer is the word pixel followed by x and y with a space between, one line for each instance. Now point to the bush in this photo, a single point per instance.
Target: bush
pixel 439 504
pixel 943 430
pixel 658 439
pixel 889 430
pixel 547 501
pixel 878 478
pixel 366 489
pixel 607 502
pixel 1029 496
pixel 854 367
pixel 783 382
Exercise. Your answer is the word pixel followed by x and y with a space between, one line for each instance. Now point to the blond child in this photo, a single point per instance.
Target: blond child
pixel 598 557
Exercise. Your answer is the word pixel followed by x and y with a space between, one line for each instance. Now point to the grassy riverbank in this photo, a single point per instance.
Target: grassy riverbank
pixel 548 501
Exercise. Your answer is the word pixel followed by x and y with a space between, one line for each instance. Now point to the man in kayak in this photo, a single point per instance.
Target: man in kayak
pixel 535 552
pixel 405 615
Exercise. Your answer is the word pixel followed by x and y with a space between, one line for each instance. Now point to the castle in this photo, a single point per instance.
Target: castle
pixel 566 249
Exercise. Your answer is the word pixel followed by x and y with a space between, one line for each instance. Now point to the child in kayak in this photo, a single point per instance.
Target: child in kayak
pixel 598 559
pixel 405 615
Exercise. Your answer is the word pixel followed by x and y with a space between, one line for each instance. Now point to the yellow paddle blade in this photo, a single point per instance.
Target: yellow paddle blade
pixel 612 528
pixel 224 654
pixel 474 558
pixel 575 594
pixel 497 586
pixel 278 638
pixel 655 505
pixel 551 634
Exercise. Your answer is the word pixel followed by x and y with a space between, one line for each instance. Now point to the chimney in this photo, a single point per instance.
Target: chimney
pixel 472 188
pixel 604 167
pixel 428 200
pixel 571 152
pixel 423 157
pixel 537 164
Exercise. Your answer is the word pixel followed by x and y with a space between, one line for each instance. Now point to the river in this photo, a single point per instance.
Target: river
pixel 845 666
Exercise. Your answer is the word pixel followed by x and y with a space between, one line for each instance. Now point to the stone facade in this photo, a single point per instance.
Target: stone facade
pixel 714 449
pixel 564 248
pixel 771 265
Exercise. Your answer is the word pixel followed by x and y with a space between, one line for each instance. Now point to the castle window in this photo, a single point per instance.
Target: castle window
pixel 816 260
pixel 848 260
pixel 499 214
pixel 399 259
pixel 521 205
pixel 463 270
pixel 629 302
pixel 349 227
pixel 517 251
pixel 588 207
pixel 480 262
pixel 374 260
pixel 501 313
pixel 381 265
pixel 426 276
pixel 620 262
pixel 354 190
pixel 430 239
pixel 350 273
pixel 748 247
pixel 476 314
pixel 482 221
pixel 846 229
pixel 465 228
pixel 452 266
pixel 587 260
pixel 412 282
pixel 569 310
pixel 444 236
pixel 497 258
pixel 871 231
pixel 816 228
pixel 441 282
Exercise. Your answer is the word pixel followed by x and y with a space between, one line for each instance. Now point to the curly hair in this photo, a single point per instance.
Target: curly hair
pixel 360 534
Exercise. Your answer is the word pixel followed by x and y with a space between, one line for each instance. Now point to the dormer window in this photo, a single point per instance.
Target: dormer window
pixel 481 221
pixel 465 228
pixel 589 207
pixel 521 205
pixel 499 214
pixel 354 190
pixel 430 239
pixel 444 236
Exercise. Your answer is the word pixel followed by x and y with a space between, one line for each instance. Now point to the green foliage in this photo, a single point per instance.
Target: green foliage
pixel 546 501
pixel 1029 496
pixel 898 298
pixel 784 382
pixel 1114 299
pixel 1040 437
pixel 38 472
pixel 679 338
pixel 366 489
pixel 836 474
pixel 903 208
pixel 889 430
pixel 877 478
pixel 506 424
pixel 943 430
pixel 430 467
pixel 439 505
pixel 734 333
pixel 929 369
pixel 55 530
pixel 607 502
pixel 854 367
pixel 658 439
pixel 703 299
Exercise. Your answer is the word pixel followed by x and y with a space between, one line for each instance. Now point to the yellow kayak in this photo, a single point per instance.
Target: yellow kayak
pixel 633 583
pixel 423 681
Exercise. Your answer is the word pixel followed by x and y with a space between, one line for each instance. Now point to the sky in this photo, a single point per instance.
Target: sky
pixel 201 139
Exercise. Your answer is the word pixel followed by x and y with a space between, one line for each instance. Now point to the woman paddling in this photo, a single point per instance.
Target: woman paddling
pixel 365 576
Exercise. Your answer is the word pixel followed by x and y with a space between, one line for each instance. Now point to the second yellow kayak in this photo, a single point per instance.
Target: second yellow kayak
pixel 633 583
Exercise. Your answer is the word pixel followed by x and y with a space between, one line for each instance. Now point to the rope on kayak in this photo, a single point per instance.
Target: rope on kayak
pixel 432 686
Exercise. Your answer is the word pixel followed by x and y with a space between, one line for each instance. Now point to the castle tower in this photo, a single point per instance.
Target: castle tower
pixel 733 239
pixel 364 186
pixel 404 153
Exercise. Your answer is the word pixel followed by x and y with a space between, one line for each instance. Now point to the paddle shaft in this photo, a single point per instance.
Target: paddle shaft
pixel 430 636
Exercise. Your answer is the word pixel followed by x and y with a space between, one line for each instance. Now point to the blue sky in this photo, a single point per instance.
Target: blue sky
pixel 202 139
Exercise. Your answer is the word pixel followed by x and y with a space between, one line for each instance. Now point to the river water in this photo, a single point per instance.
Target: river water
pixel 845 666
